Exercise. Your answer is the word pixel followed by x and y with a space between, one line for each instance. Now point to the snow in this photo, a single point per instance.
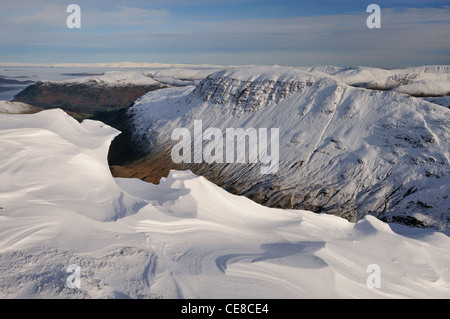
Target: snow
pixel 176 77
pixel 116 78
pixel 426 88
pixel 442 100
pixel 351 75
pixel 113 74
pixel 431 80
pixel 15 107
pixel 183 238
pixel 181 76
pixel 54 142
pixel 360 76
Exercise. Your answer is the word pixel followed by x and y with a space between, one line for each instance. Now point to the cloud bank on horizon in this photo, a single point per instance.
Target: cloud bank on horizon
pixel 295 33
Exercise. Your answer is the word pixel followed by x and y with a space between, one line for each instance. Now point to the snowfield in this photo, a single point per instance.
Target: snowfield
pixel 183 238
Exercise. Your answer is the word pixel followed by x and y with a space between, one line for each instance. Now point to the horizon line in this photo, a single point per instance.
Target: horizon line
pixel 155 65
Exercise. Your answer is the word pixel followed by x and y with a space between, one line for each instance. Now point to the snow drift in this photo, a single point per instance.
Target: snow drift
pixel 36 149
pixel 183 238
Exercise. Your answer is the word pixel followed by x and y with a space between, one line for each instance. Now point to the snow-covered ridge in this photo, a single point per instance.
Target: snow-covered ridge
pixel 416 81
pixel 252 88
pixel 113 78
pixel 180 77
pixel 184 238
pixel 343 150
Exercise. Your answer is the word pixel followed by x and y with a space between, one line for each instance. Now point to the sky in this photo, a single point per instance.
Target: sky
pixel 227 32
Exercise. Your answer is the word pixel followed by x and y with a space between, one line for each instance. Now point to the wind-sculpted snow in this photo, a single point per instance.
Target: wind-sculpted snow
pixel 184 238
pixel 38 148
pixel 343 150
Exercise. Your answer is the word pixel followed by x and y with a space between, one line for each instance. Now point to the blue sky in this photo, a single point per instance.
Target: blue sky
pixel 233 32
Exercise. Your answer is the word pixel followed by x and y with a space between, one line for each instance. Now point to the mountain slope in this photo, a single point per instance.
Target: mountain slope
pixel 343 150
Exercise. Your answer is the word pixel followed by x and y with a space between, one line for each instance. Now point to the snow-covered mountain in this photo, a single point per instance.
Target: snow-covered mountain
pixel 183 238
pixel 113 79
pixel 344 150
pixel 423 81
pixel 180 77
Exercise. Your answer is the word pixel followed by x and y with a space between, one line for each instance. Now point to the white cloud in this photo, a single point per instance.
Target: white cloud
pixel 125 16
pixel 410 36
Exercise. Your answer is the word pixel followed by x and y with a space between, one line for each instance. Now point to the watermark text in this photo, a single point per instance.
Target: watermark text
pixel 213 146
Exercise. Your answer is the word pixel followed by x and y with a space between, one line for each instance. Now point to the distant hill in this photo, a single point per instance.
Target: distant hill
pixel 88 96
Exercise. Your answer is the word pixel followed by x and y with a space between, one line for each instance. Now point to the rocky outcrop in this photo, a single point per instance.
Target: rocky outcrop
pixel 248 94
